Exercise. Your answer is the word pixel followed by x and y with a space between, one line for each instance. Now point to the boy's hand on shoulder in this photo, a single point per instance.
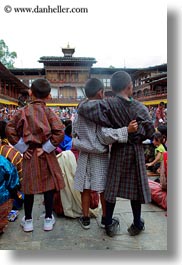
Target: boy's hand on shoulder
pixel 27 154
pixel 133 126
pixel 40 151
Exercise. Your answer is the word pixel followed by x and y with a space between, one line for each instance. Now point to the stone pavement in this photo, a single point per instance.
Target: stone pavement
pixel 69 235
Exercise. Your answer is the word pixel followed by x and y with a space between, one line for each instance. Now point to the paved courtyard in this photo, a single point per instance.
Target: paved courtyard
pixel 68 234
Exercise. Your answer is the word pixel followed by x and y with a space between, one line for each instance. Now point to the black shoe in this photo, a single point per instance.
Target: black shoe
pixel 134 230
pixel 85 222
pixel 111 230
pixel 103 222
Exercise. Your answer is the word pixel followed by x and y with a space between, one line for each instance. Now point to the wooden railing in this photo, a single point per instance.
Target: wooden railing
pixel 151 95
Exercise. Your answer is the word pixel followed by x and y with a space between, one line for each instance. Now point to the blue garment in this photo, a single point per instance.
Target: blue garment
pixel 66 144
pixel 9 179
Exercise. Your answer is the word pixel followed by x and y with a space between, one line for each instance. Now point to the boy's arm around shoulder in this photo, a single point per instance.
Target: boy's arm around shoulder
pixel 97 111
pixel 120 135
pixel 109 136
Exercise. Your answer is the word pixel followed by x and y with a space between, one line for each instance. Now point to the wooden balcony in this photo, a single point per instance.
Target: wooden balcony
pixel 150 96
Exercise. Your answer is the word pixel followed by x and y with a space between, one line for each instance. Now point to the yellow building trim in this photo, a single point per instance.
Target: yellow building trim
pixel 154 102
pixel 4 101
pixel 62 104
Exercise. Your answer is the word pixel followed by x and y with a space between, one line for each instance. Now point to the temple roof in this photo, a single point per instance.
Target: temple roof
pixel 55 60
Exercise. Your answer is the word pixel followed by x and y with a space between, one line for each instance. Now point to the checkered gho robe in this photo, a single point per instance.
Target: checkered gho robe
pixel 127 171
pixel 93 161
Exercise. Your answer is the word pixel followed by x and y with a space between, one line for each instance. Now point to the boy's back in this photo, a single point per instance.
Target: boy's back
pixel 36 124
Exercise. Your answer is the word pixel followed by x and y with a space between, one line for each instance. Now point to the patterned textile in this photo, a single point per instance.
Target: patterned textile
pixel 93 161
pixel 91 171
pixel 85 136
pixel 37 124
pixel 9 179
pixel 5 208
pixel 13 156
pixel 127 176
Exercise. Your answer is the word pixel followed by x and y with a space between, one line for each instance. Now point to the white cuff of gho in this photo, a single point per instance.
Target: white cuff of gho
pixel 48 147
pixel 21 146
pixel 161 120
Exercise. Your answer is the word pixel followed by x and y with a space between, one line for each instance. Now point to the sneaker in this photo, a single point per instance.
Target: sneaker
pixel 49 223
pixel 112 229
pixel 85 222
pixel 134 230
pixel 103 222
pixel 27 224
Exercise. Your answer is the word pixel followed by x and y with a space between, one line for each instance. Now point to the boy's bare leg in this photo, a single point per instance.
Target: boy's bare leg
pixel 103 203
pixel 85 197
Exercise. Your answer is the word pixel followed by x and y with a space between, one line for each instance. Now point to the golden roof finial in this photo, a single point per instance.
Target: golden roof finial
pixel 68 46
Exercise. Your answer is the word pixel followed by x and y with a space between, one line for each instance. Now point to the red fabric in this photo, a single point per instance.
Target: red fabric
pixel 94 199
pixel 165 162
pixel 5 208
pixel 158 195
pixel 57 204
pixel 75 152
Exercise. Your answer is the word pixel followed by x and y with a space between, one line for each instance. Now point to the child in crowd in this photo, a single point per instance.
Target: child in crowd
pixel 66 144
pixel 35 131
pixel 159 150
pixel 92 141
pixel 163 130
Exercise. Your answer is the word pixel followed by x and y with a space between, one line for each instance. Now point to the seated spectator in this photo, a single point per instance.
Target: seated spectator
pixel 159 150
pixel 159 190
pixel 66 144
pixel 13 156
pixel 163 130
pixel 67 202
pixel 9 182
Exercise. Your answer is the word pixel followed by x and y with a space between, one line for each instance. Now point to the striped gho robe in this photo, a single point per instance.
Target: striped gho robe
pixel 127 176
pixel 35 126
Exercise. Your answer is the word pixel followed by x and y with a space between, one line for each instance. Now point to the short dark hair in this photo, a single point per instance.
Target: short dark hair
pixel 68 130
pixel 162 103
pixel 92 86
pixel 120 80
pixel 158 137
pixel 162 129
pixel 41 88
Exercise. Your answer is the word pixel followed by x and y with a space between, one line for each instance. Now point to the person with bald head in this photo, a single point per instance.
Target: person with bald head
pixel 126 176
